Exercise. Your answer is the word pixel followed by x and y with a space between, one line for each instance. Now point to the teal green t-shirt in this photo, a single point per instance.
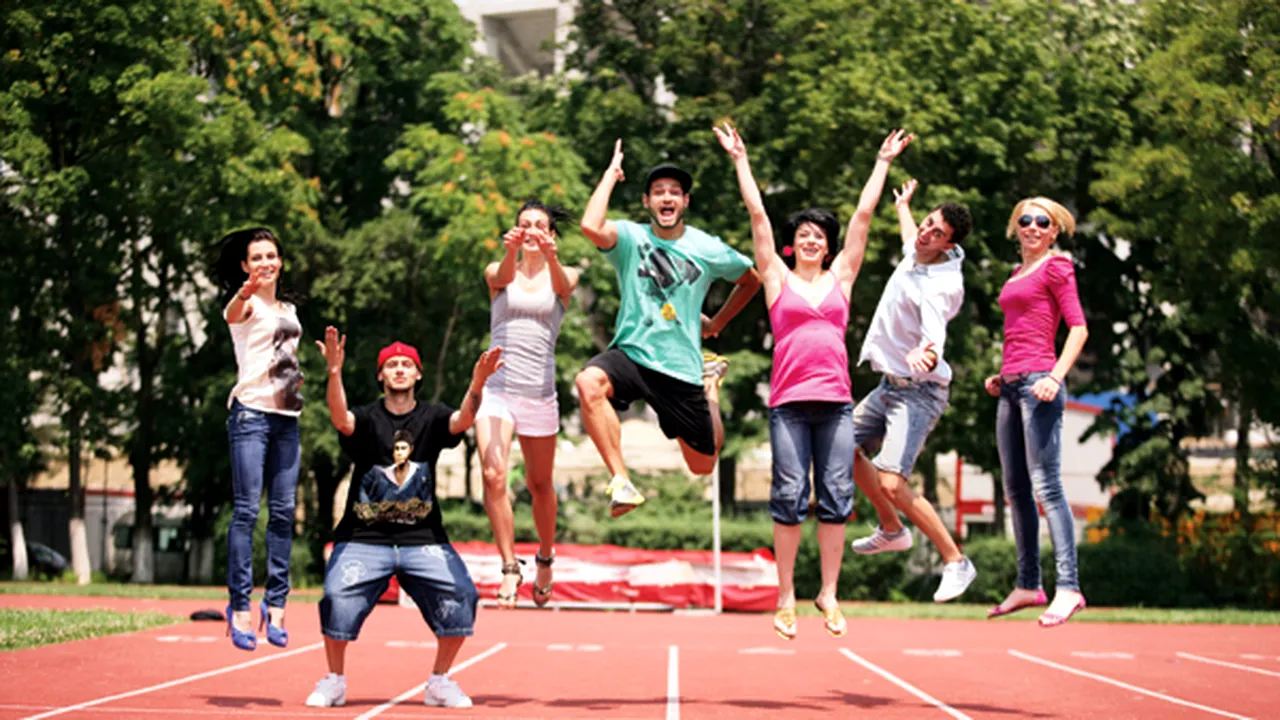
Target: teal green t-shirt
pixel 662 284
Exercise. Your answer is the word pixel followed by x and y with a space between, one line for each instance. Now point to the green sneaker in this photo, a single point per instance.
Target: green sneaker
pixel 623 496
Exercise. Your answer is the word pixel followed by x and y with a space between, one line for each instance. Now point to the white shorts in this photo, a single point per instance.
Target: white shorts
pixel 532 417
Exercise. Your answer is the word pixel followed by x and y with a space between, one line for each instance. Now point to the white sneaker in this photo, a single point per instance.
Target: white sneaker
pixel 956 577
pixel 442 691
pixel 331 691
pixel 881 541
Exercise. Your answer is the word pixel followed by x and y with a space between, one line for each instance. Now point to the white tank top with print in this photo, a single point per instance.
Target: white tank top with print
pixel 268 377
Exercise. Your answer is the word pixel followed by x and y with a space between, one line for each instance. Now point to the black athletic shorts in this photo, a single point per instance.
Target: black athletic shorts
pixel 682 408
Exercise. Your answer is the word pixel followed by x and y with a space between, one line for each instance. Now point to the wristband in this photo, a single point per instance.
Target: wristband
pixel 1055 379
pixel 243 298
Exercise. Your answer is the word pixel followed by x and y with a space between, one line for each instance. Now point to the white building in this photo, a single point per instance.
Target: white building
pixel 521 34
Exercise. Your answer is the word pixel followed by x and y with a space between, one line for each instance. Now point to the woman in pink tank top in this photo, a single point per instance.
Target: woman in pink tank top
pixel 807 290
pixel 1037 297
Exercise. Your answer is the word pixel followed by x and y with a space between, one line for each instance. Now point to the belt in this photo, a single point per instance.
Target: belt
pixel 1015 377
pixel 903 382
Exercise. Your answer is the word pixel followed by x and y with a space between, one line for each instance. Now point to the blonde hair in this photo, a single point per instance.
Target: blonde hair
pixel 1062 217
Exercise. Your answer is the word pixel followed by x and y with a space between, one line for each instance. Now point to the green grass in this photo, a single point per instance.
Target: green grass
pixel 32 628
pixel 130 590
pixel 954 611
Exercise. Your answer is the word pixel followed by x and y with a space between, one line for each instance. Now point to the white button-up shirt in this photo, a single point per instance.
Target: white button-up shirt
pixel 915 308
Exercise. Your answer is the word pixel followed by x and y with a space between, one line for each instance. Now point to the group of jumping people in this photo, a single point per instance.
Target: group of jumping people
pixel 392 524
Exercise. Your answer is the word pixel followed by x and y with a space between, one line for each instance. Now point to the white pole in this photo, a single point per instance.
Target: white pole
pixel 715 533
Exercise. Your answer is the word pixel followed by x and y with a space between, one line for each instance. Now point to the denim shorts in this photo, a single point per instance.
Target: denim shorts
pixel 821 432
pixel 433 575
pixel 895 420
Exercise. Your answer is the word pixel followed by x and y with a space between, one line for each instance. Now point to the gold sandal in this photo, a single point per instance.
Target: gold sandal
pixel 833 619
pixel 784 623
pixel 509 601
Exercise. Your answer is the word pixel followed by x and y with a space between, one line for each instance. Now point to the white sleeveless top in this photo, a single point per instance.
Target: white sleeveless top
pixel 526 326
pixel 268 377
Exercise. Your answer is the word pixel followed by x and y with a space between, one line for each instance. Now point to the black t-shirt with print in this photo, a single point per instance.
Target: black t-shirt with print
pixel 370 445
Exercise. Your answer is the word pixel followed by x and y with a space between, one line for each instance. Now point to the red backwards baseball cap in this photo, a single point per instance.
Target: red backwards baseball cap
pixel 398 348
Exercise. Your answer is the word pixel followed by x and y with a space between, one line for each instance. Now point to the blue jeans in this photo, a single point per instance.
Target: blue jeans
pixel 821 432
pixel 433 575
pixel 1029 437
pixel 896 419
pixel 264 454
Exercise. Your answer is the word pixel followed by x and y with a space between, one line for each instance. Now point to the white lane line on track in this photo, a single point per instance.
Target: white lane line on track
pixel 1125 685
pixel 173 683
pixel 904 685
pixel 1101 655
pixel 418 644
pixel 673 683
pixel 1223 663
pixel 423 686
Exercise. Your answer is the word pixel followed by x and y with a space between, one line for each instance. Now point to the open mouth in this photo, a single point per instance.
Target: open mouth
pixel 667 214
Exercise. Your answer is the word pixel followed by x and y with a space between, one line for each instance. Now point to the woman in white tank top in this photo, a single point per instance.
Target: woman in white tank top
pixel 262 427
pixel 530 291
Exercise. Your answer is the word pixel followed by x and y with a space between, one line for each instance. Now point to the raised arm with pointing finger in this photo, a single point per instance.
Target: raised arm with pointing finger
pixel 595 225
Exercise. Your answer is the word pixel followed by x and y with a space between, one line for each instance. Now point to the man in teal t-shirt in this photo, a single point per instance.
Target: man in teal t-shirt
pixel 664 270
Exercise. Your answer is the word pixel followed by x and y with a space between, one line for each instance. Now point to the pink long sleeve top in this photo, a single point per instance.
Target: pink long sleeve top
pixel 1033 306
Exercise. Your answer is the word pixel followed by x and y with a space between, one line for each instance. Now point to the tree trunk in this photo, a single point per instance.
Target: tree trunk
pixel 140 451
pixel 728 483
pixel 440 358
pixel 468 460
pixel 75 489
pixel 17 538
pixel 928 467
pixel 327 480
pixel 1245 420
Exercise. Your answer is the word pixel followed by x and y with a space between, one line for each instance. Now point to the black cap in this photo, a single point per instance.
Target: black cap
pixel 667 170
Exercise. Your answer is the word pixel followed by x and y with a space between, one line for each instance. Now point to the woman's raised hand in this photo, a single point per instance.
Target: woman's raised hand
pixel 513 239
pixel 894 144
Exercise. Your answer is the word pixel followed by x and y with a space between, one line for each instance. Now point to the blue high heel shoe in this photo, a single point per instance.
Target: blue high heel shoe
pixel 277 636
pixel 245 640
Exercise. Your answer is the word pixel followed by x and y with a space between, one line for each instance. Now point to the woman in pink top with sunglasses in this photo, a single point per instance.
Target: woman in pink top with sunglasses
pixel 1038 296
pixel 807 290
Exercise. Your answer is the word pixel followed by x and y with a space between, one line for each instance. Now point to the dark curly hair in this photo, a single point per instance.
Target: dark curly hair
pixel 232 250
pixel 554 214
pixel 821 217
pixel 957 217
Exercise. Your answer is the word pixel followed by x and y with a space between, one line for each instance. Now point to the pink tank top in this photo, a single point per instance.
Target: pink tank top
pixel 810 360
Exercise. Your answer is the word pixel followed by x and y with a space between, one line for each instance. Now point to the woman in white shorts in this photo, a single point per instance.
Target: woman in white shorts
pixel 530 291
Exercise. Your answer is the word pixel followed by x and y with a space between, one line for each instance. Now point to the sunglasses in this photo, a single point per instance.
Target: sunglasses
pixel 1042 220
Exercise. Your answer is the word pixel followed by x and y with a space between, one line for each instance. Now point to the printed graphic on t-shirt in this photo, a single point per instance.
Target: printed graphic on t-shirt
pixel 382 499
pixel 665 273
pixel 286 376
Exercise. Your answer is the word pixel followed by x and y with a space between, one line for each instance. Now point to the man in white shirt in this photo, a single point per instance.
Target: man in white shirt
pixel 905 344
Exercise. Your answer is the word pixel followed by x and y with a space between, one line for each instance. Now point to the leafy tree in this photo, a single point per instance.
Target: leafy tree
pixel 1009 99
pixel 1197 198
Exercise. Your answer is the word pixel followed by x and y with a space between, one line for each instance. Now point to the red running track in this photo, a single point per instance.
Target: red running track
pixel 580 664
